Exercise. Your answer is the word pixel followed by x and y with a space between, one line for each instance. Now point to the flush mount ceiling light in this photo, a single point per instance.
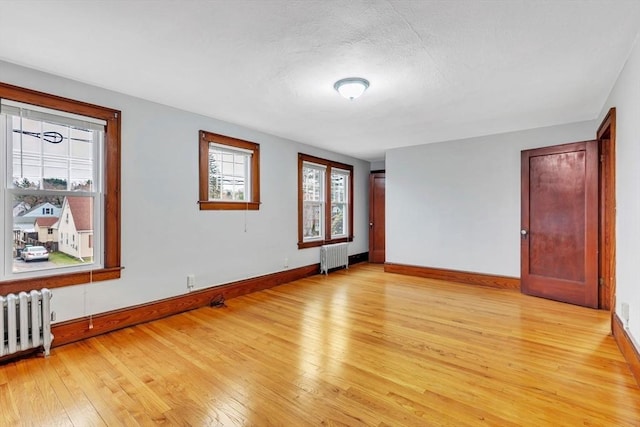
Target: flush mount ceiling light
pixel 351 87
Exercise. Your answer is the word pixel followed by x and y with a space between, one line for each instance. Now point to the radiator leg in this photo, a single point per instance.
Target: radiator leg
pixel 47 336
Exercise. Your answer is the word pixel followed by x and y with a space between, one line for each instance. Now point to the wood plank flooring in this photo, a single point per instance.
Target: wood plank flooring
pixel 357 348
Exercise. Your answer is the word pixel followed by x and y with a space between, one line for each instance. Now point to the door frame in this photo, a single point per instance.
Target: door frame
pixel 372 176
pixel 606 136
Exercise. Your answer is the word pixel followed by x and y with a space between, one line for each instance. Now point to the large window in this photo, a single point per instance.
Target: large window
pixel 62 178
pixel 325 201
pixel 229 173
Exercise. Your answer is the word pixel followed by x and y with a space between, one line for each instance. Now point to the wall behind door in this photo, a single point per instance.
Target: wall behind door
pixel 456 205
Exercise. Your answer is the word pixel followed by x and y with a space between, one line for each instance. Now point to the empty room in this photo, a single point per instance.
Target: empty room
pixel 305 213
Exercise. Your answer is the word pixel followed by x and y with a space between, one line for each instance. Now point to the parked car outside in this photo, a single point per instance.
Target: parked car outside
pixel 32 253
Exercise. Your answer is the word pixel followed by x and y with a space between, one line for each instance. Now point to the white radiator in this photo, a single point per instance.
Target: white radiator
pixel 25 321
pixel 332 256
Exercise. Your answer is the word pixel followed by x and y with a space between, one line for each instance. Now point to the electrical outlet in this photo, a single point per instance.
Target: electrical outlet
pixel 191 281
pixel 53 316
pixel 624 313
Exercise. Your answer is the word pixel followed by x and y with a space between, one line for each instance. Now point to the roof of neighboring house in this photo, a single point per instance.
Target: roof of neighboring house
pixel 37 211
pixel 81 211
pixel 46 221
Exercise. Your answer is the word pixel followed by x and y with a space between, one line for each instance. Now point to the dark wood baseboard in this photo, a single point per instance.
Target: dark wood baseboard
pixel 78 329
pixel 627 348
pixel 358 258
pixel 503 282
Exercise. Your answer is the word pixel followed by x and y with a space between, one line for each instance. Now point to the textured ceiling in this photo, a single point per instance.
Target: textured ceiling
pixel 439 70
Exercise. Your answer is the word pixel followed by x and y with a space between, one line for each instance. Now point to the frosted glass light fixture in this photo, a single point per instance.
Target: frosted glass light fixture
pixel 351 87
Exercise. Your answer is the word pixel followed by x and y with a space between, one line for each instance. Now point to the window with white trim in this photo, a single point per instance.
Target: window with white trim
pixel 313 201
pixel 52 157
pixel 61 158
pixel 339 202
pixel 325 207
pixel 229 173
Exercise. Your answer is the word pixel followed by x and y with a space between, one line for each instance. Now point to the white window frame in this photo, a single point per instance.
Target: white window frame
pixel 9 191
pixel 345 203
pixel 321 203
pixel 245 176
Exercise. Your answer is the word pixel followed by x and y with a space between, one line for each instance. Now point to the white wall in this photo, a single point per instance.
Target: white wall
pixel 456 205
pixel 165 236
pixel 625 96
pixel 377 165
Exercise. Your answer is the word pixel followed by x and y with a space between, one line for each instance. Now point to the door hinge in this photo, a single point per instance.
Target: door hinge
pixel 601 157
pixel 601 281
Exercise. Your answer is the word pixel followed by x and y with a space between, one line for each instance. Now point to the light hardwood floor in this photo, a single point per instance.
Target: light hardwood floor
pixel 359 347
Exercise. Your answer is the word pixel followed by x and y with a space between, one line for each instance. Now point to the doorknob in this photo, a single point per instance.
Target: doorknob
pixel 524 233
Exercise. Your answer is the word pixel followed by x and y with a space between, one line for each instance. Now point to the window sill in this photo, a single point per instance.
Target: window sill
pixel 315 243
pixel 59 280
pixel 229 206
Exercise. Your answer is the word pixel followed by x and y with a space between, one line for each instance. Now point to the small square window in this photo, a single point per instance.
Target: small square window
pixel 229 173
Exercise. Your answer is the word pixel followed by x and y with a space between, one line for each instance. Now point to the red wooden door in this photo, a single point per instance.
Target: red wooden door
pixel 376 217
pixel 559 235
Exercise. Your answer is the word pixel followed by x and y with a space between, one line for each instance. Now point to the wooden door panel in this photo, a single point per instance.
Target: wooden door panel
pixel 556 228
pixel 560 223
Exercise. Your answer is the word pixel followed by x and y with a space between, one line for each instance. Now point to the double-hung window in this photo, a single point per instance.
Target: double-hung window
pixel 229 173
pixel 61 168
pixel 325 201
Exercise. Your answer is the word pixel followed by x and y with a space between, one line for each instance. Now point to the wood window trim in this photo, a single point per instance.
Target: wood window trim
pixel 329 164
pixel 112 171
pixel 204 202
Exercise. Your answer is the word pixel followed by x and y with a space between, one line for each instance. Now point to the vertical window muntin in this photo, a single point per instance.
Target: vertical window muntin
pixel 335 207
pixel 50 155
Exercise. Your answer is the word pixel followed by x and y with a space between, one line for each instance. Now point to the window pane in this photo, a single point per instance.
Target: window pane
pixel 81 166
pixel 339 200
pixel 338 187
pixel 228 174
pixel 60 227
pixel 26 152
pixel 338 220
pixel 312 183
pixel 52 156
pixel 312 224
pixel 215 177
